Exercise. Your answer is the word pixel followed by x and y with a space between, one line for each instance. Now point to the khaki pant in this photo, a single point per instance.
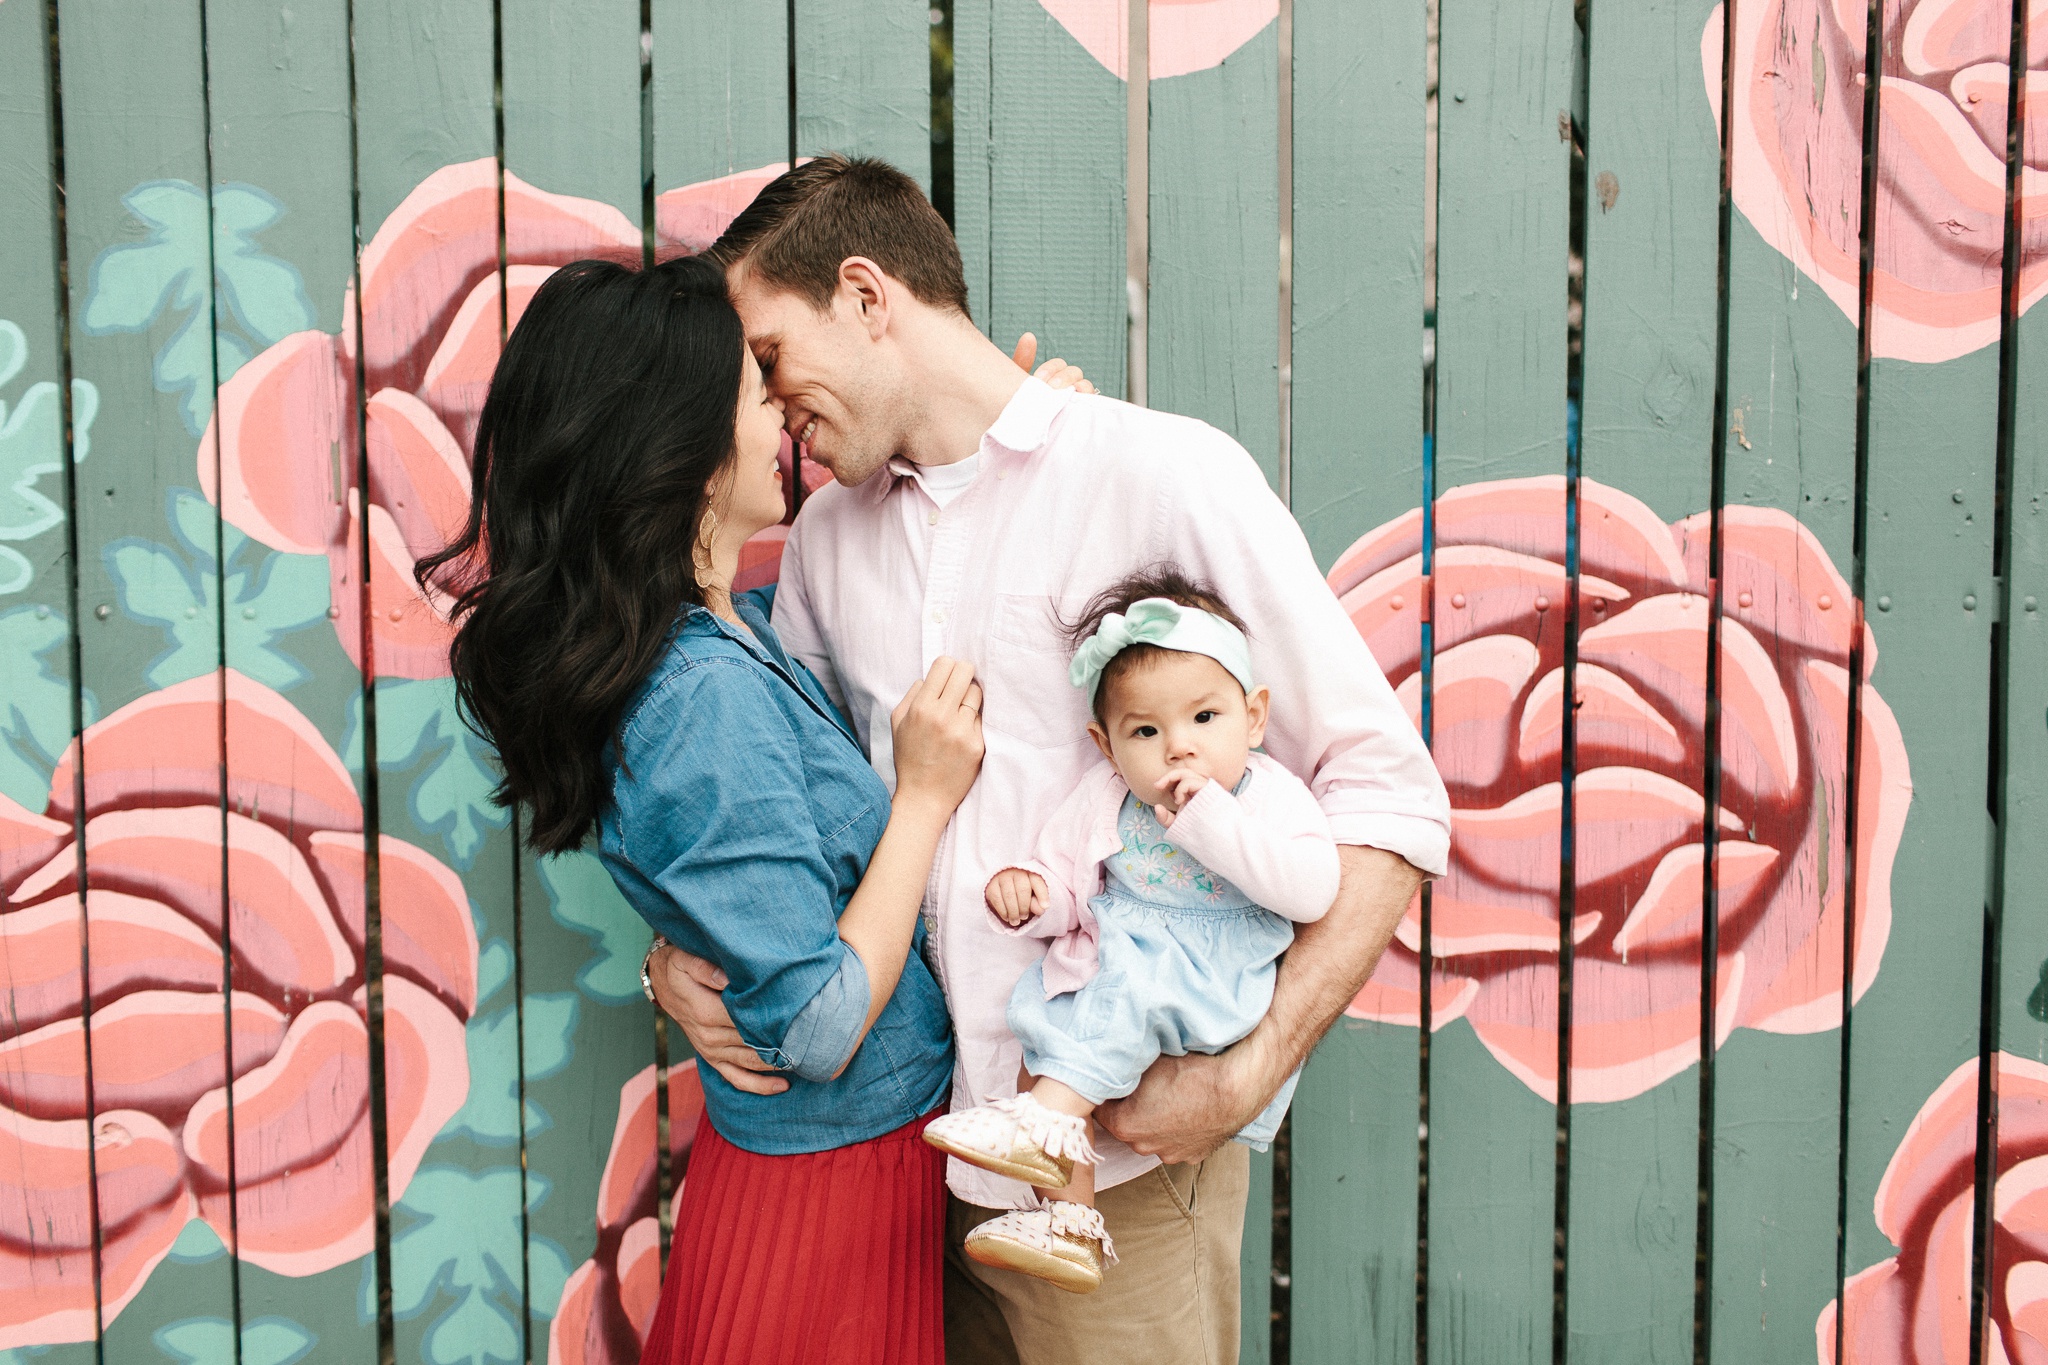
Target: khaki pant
pixel 1171 1299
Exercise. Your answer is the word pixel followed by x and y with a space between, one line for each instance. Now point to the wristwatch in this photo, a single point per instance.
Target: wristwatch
pixel 646 980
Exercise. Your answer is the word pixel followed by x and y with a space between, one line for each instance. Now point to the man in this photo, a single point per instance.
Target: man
pixel 977 507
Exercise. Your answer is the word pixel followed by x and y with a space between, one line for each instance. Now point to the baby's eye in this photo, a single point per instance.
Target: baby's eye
pixel 1145 732
pixel 1204 717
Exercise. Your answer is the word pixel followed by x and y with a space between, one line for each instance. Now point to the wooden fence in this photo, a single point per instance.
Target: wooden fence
pixel 1561 419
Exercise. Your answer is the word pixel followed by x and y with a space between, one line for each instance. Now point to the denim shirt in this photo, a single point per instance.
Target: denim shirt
pixel 742 818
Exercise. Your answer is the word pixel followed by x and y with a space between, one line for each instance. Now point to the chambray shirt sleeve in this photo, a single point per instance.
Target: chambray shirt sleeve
pixel 1335 721
pixel 714 807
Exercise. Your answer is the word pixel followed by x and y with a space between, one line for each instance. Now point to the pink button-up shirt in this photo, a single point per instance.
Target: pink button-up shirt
pixel 1075 491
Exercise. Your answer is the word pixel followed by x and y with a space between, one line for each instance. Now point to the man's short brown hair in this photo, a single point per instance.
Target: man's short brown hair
pixel 807 221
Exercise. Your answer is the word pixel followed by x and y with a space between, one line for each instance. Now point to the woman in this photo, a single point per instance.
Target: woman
pixel 627 450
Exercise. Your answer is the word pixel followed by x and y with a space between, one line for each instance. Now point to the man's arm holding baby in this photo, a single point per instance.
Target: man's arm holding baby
pixel 1336 724
pixel 1189 1106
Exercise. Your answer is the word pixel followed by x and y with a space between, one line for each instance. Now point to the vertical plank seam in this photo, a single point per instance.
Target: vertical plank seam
pixel 1710 904
pixel 1425 964
pixel 664 1174
pixel 1137 198
pixel 220 640
pixel 517 850
pixel 53 75
pixel 1280 1208
pixel 2003 680
pixel 1577 150
pixel 1873 52
pixel 373 900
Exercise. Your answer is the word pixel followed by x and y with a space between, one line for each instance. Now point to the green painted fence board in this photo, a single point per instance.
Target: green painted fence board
pixel 1503 217
pixel 587 1029
pixel 133 119
pixel 1930 554
pixel 1357 269
pixel 1213 306
pixel 1356 464
pixel 721 88
pixel 35 614
pixel 278 98
pixel 2023 1002
pixel 424 106
pixel 1648 408
pixel 863 75
pixel 1790 446
pixel 973 169
pixel 1051 215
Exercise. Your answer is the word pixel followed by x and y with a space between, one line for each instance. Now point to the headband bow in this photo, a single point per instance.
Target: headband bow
pixel 1166 625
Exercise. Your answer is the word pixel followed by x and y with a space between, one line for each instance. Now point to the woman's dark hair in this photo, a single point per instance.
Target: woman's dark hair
pixel 609 414
pixel 1163 579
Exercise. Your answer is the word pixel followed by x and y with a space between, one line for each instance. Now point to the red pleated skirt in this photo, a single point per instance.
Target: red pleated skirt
pixel 827 1256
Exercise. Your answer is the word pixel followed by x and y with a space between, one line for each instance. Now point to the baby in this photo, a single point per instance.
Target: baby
pixel 1169 882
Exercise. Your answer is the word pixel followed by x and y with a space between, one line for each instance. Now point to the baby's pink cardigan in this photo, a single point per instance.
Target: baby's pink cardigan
pixel 1273 843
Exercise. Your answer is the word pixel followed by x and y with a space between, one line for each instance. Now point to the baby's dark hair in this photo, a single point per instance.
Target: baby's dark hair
pixel 1163 579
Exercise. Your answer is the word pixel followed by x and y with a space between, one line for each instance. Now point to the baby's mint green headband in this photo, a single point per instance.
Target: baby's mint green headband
pixel 1167 625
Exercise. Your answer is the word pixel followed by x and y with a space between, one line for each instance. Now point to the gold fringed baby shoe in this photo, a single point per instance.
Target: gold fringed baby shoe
pixel 1060 1242
pixel 1017 1137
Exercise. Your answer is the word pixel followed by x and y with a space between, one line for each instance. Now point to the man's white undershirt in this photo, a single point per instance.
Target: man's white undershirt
pixel 945 482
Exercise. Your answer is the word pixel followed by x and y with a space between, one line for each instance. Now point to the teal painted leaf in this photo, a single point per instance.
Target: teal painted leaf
pixel 197 1244
pixel 582 897
pixel 269 594
pixel 490 1114
pixel 209 1341
pixel 35 711
pixel 259 298
pixel 418 728
pixel 21 1355
pixel 32 449
pixel 461 1241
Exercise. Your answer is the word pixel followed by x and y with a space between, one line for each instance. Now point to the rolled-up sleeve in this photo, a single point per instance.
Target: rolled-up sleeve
pixel 1335 721
pixel 714 811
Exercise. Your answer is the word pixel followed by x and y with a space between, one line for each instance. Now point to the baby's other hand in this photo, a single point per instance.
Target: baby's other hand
pixel 1179 786
pixel 1016 895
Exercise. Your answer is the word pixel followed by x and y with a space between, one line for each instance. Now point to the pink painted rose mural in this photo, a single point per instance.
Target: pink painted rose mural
pixel 431 306
pixel 1797 166
pixel 1184 35
pixel 608 1305
pixel 1499 595
pixel 1914 1308
pixel 297 1004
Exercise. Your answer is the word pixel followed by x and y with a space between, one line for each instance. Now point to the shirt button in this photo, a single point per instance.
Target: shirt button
pixel 933 518
pixel 938 616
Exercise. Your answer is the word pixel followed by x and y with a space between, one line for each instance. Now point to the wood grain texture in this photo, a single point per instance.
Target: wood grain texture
pixel 1503 215
pixel 1357 450
pixel 863 75
pixel 1358 210
pixel 1212 333
pixel 278 98
pixel 424 103
pixel 133 117
pixel 580 1048
pixel 2023 998
pixel 1049 129
pixel 1653 166
pixel 35 619
pixel 721 88
pixel 1930 553
pixel 1791 446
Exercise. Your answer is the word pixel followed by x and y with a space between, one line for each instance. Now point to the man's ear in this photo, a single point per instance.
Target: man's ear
pixel 869 291
pixel 1101 738
pixel 1258 704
